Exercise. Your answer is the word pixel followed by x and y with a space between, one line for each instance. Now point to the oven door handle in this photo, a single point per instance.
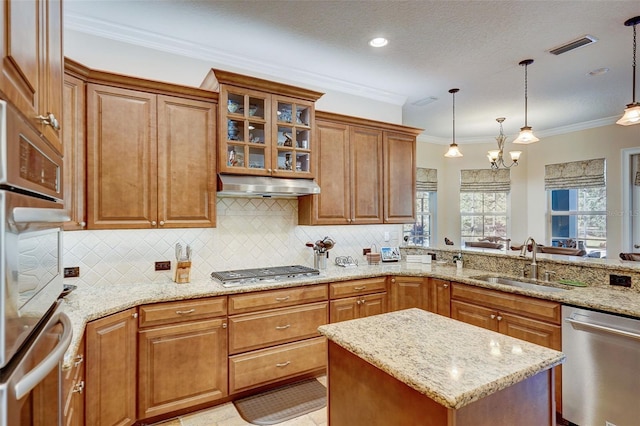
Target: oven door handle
pixel 40 215
pixel 35 376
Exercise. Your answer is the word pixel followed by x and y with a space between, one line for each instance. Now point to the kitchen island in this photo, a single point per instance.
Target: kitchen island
pixel 413 367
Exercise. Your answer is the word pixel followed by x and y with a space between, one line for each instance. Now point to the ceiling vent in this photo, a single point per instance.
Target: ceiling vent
pixel 575 44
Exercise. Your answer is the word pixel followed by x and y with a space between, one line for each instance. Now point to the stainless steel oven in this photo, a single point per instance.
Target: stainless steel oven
pixel 33 333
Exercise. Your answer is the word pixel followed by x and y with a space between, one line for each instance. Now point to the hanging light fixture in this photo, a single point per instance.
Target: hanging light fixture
pixel 496 156
pixel 454 151
pixel 632 112
pixel 526 134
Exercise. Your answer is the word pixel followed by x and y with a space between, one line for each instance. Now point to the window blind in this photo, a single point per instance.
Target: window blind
pixel 485 180
pixel 576 174
pixel 426 179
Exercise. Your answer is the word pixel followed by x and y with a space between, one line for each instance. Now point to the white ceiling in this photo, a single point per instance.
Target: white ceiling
pixel 433 46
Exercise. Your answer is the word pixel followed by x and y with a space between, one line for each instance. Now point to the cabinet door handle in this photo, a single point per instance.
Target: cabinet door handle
pixel 224 325
pixel 358 302
pixel 134 315
pixel 360 288
pixel 153 223
pixel 79 387
pixel 282 299
pixel 282 327
pixel 499 318
pixel 393 280
pixel 79 360
pixel 190 311
pixel 161 223
pixel 283 364
pixel 493 316
pixel 49 120
pixel 445 285
pixel 82 224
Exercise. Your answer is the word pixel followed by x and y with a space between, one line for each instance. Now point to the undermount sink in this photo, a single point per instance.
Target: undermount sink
pixel 516 283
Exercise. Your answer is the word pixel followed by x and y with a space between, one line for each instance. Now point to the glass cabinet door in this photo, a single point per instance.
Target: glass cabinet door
pixel 292 136
pixel 245 137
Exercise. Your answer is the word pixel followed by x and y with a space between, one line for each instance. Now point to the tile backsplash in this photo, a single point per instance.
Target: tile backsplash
pixel 250 232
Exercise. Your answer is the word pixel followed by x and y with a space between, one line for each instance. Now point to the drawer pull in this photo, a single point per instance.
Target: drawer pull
pixel 282 327
pixel 282 299
pixel 360 288
pixel 283 364
pixel 190 311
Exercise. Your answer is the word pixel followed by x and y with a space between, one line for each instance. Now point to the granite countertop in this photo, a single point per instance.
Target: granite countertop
pixel 449 361
pixel 89 303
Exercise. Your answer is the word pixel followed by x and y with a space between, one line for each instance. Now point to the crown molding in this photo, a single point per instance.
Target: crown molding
pixel 151 40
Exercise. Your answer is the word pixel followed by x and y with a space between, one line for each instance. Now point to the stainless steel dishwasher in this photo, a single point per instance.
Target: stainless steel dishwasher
pixel 601 374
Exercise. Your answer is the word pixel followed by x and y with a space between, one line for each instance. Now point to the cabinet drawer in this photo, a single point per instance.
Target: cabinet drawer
pixel 184 310
pixel 255 331
pixel 522 305
pixel 251 302
pixel 355 287
pixel 266 366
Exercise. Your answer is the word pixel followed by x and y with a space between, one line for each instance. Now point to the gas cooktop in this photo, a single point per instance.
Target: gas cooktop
pixel 252 276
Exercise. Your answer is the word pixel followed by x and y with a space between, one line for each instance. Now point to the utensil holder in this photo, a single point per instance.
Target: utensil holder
pixel 320 260
pixel 182 274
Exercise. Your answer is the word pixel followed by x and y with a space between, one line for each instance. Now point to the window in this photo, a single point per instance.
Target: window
pixel 579 216
pixel 483 214
pixel 420 232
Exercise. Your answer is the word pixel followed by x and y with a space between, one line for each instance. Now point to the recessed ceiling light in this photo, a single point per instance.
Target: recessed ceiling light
pixel 378 42
pixel 599 71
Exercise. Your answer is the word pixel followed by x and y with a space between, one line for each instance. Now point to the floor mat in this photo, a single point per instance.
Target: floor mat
pixel 277 405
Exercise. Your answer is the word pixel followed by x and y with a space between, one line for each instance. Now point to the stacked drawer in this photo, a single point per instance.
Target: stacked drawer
pixel 273 335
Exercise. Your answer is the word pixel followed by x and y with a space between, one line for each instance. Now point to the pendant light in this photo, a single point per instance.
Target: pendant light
pixel 454 151
pixel 526 134
pixel 632 112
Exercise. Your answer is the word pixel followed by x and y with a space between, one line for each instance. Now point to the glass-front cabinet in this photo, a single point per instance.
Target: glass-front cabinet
pixel 265 128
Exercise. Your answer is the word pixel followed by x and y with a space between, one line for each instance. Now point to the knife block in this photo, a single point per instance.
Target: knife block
pixel 182 274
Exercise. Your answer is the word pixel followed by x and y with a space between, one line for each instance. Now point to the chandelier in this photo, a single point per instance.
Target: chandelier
pixel 495 156
pixel 632 111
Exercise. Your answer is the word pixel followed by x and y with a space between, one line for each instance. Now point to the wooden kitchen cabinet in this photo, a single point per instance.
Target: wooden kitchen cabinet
pixel 182 358
pixel 399 178
pixel 73 137
pixel 265 128
pixel 358 299
pixel 31 67
pixel 430 294
pixel 73 383
pixel 273 336
pixel 349 173
pixel 111 370
pixel 150 160
pixel 527 318
pixel 366 172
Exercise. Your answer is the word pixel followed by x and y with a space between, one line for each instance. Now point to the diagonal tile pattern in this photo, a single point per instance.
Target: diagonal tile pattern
pixel 250 232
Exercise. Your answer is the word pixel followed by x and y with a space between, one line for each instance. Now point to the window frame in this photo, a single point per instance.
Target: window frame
pixel 431 214
pixel 506 214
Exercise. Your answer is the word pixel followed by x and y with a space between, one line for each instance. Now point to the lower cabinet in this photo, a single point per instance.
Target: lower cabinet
pixel 268 344
pixel 183 362
pixel 526 318
pixel 111 370
pixel 73 384
pixel 357 299
pixel 429 294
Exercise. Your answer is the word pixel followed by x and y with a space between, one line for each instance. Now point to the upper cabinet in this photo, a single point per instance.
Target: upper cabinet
pixel 366 173
pixel 32 65
pixel 265 128
pixel 150 152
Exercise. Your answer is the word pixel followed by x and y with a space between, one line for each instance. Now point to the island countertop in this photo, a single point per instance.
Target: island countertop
pixel 451 362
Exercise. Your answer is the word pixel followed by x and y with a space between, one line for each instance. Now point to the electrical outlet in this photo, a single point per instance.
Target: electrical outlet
pixel 163 266
pixel 386 236
pixel 620 280
pixel 72 272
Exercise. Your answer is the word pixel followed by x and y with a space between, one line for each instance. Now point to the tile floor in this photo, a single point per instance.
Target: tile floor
pixel 227 415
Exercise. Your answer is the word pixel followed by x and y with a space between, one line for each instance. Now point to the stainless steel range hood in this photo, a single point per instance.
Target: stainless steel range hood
pixel 263 186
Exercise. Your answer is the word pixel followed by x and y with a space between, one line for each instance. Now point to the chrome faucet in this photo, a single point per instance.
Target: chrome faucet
pixel 533 267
